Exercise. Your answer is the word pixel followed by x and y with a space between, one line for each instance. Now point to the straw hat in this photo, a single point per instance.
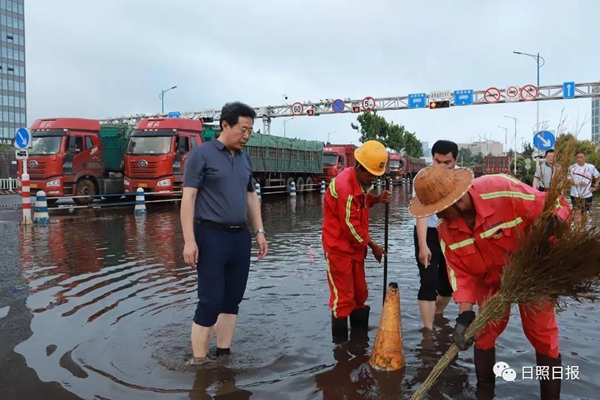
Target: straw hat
pixel 437 188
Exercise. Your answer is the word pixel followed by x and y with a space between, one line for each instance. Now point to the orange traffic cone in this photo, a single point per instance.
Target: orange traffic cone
pixel 388 354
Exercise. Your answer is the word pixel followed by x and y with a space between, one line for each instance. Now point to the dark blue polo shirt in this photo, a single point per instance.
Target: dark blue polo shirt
pixel 222 180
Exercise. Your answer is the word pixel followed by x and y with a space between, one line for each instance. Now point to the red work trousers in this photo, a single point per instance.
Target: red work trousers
pixel 539 325
pixel 347 283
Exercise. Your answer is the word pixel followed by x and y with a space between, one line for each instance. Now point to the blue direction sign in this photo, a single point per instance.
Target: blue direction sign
pixel 544 140
pixel 417 100
pixel 174 114
pixel 569 90
pixel 338 105
pixel 22 138
pixel 463 97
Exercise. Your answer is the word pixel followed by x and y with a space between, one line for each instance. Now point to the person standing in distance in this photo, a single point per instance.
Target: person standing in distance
pixel 435 292
pixel 217 196
pixel 544 172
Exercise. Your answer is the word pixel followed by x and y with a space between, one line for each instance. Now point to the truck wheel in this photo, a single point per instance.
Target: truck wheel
pixel 309 184
pixel 85 187
pixel 300 185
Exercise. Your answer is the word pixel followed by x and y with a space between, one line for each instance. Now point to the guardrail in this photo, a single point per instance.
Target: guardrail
pixel 8 184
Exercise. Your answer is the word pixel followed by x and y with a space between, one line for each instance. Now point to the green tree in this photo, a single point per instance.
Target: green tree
pixel 412 145
pixel 371 127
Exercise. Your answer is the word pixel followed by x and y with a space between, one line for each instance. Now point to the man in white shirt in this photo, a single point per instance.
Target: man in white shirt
pixel 435 291
pixel 581 176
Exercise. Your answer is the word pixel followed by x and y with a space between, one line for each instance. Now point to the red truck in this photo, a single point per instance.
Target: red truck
pixel 336 158
pixel 395 167
pixel 75 157
pixel 156 154
pixel 412 165
pixel 496 165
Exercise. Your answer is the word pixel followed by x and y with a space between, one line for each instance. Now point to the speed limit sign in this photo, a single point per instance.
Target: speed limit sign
pixel 368 103
pixel 297 108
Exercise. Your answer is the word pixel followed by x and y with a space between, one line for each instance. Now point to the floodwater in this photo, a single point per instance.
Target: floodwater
pixel 112 303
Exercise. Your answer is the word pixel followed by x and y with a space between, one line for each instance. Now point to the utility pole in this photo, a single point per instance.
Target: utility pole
pixel 515 149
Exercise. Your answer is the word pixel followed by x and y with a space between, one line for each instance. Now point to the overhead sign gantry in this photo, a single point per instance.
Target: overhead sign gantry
pixel 432 100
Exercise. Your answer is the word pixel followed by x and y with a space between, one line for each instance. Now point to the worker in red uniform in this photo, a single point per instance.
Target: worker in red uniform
pixel 346 237
pixel 481 221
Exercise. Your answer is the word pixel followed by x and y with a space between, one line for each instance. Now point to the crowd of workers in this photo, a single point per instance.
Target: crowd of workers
pixel 464 230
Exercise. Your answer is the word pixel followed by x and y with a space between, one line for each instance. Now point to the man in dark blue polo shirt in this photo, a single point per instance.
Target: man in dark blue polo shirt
pixel 217 196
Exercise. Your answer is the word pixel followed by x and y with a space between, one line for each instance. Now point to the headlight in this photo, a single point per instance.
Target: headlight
pixel 53 183
pixel 164 182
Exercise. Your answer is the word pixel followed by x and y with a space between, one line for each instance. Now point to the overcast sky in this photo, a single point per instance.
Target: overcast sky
pixel 107 58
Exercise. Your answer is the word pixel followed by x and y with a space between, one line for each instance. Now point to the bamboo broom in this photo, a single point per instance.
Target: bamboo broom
pixel 539 270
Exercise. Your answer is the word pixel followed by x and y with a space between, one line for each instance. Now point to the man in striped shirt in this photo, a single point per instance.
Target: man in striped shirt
pixel 481 222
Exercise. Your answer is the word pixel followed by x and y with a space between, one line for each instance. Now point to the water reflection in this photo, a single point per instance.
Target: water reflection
pixel 222 381
pixel 113 301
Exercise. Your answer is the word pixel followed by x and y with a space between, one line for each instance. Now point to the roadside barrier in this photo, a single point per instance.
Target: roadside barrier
pixel 140 202
pixel 40 215
pixel 257 188
pixel 322 187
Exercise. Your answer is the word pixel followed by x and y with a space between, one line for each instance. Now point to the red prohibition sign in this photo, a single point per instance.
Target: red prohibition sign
pixel 491 95
pixel 529 92
pixel 368 103
pixel 512 92
pixel 297 108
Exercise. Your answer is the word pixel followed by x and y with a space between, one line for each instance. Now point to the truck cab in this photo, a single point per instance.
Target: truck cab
pixel 335 159
pixel 156 154
pixel 65 156
pixel 396 164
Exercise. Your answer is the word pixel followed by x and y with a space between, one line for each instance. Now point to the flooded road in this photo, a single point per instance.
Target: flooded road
pixel 112 302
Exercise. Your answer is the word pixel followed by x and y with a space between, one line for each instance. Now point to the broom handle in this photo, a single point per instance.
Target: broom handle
pixel 385 247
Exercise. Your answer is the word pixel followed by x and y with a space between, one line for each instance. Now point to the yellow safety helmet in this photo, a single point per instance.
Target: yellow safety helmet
pixel 373 156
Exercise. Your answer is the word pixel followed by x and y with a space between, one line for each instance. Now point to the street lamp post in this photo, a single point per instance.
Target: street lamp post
pixel 161 96
pixel 328 135
pixel 285 121
pixel 515 149
pixel 537 59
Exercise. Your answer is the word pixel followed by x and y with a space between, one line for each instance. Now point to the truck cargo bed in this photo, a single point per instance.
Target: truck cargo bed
pixel 284 155
pixel 114 140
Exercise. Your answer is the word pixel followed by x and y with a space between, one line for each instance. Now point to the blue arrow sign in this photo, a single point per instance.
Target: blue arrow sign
pixel 174 114
pixel 463 97
pixel 544 140
pixel 417 100
pixel 22 138
pixel 569 90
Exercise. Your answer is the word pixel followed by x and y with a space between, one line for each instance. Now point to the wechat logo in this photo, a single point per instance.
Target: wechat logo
pixel 504 371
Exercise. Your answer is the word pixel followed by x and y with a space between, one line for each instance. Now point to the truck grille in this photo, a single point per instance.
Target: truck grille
pixel 39 171
pixel 147 171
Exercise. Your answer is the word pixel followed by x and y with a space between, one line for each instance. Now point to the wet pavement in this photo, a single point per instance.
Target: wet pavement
pixel 99 305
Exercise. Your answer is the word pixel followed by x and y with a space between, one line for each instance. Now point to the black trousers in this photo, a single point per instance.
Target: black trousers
pixel 434 278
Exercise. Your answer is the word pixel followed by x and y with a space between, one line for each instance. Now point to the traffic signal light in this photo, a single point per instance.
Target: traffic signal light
pixel 310 112
pixel 355 109
pixel 439 104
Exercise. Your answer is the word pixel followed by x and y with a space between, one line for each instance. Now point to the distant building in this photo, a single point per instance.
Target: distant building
pixel 12 68
pixel 596 120
pixel 426 149
pixel 486 147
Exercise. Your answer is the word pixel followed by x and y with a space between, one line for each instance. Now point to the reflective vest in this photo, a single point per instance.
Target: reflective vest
pixel 505 209
pixel 346 215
